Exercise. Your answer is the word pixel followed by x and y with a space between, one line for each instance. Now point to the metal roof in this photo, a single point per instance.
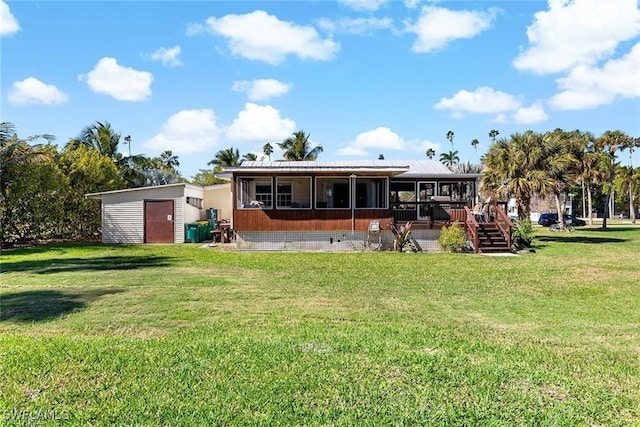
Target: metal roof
pixel 370 166
pixel 399 168
pixel 128 190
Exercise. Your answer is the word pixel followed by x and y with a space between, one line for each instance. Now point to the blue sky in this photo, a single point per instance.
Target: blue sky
pixel 362 77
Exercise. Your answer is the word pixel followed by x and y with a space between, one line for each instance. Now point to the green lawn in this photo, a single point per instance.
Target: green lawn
pixel 186 335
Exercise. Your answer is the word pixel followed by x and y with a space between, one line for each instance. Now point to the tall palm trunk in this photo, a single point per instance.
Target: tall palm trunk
pixel 612 171
pixel 559 209
pixel 590 203
pixel 632 208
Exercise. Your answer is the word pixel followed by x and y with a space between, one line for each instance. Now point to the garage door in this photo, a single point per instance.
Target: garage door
pixel 158 221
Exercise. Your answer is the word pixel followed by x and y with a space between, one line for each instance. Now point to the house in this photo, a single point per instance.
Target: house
pixel 344 205
pixel 158 214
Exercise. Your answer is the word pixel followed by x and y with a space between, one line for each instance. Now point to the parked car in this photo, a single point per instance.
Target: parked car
pixel 546 219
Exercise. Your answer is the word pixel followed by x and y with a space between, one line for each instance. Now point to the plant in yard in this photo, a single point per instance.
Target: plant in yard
pixel 522 234
pixel 453 238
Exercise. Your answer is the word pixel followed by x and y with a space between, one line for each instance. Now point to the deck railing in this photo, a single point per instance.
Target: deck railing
pixel 504 224
pixel 431 209
pixel 472 228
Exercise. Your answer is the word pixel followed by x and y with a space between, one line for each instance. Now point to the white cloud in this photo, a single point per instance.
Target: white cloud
pixel 168 56
pixel 186 132
pixel 364 26
pixel 122 83
pixel 263 37
pixel 438 26
pixel 33 91
pixel 364 5
pixel 577 32
pixel 383 140
pixel 483 100
pixel 8 22
pixel 411 4
pixel 356 25
pixel 588 86
pixel 261 89
pixel 259 123
pixel 381 137
pixel 529 115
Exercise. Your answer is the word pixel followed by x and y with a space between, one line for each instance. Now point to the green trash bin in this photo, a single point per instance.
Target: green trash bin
pixel 203 230
pixel 191 232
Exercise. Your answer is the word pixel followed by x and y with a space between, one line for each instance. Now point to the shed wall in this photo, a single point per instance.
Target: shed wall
pixel 123 213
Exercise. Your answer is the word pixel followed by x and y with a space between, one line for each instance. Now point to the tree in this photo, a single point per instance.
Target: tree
pixel 169 161
pixel 493 134
pixel 561 166
pixel 87 171
pixel 624 182
pixel 267 149
pixel 516 168
pixel 29 186
pixel 431 153
pixel 450 158
pixel 250 157
pixel 474 144
pixel 127 141
pixel 100 137
pixel 467 167
pixel 610 143
pixel 227 157
pixel 14 150
pixel 206 177
pixel 106 141
pixel 450 136
pixel 298 148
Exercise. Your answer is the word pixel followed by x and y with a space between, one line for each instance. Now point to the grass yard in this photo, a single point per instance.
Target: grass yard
pixel 185 335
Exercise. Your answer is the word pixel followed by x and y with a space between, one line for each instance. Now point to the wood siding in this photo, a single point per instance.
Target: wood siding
pixel 307 220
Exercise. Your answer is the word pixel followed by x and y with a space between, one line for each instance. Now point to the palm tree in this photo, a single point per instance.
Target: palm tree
pixel 450 158
pixel 467 167
pixel 450 136
pixel 297 148
pixel 516 168
pixel 226 157
pixel 250 157
pixel 561 165
pixel 431 153
pixel 624 182
pixel 127 141
pixel 609 143
pixel 267 149
pixel 168 160
pixel 101 137
pixel 14 150
pixel 474 144
pixel 493 134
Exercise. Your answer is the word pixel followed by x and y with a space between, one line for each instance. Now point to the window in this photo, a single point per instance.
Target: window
pixel 371 193
pixel 194 201
pixel 255 193
pixel 263 194
pixel 403 195
pixel 293 193
pixel 332 193
pixel 458 191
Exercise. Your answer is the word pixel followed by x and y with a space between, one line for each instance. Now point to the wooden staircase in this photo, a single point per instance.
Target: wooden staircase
pixel 491 239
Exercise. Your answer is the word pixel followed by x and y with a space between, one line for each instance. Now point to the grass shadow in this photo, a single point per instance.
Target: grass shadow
pixel 569 238
pixel 45 305
pixel 63 265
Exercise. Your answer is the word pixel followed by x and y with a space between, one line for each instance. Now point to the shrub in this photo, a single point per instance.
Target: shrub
pixel 453 238
pixel 522 234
